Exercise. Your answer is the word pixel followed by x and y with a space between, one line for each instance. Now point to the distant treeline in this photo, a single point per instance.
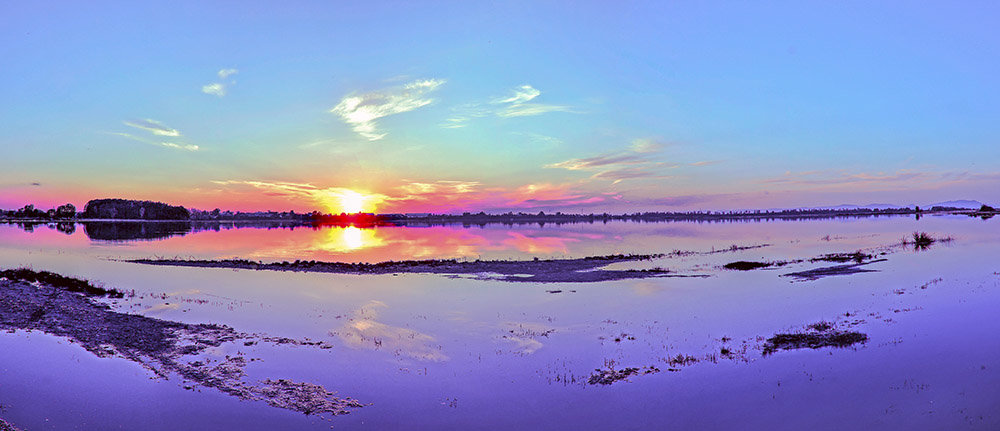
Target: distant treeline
pixel 559 218
pixel 125 209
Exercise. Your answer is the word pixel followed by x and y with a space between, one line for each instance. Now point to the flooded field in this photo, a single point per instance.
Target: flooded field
pixel 818 324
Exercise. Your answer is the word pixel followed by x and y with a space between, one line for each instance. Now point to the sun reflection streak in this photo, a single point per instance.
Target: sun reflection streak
pixel 348 238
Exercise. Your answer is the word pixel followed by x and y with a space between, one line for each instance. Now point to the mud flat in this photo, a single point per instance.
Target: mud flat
pixel 72 308
pixel 582 270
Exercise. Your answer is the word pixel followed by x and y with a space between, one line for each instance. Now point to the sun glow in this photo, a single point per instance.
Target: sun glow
pixel 350 201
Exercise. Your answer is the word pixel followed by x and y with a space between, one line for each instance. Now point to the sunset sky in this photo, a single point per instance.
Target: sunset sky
pixel 496 106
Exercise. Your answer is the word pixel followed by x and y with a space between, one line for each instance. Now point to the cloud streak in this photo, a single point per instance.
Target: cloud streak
pixel 154 127
pixel 439 196
pixel 633 162
pixel 362 111
pixel 517 104
pixel 157 130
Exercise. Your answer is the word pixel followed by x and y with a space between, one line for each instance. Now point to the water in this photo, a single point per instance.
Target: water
pixel 455 353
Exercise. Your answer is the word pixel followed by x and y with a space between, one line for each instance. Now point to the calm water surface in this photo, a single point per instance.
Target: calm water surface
pixel 432 352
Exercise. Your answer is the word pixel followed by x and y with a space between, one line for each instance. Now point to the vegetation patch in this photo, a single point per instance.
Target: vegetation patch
pixel 610 375
pixel 857 257
pixel 822 334
pixel 922 240
pixel 59 281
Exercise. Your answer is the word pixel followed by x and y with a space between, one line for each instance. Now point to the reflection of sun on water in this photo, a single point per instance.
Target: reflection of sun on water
pixel 342 239
pixel 352 238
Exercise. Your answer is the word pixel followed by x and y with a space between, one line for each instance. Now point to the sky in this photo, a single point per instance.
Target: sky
pixel 499 106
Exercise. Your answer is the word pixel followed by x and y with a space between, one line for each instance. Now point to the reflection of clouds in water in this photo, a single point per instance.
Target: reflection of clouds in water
pixel 363 332
pixel 647 288
pixel 156 309
pixel 525 336
pixel 544 244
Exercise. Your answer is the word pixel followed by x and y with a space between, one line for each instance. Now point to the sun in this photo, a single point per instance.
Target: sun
pixel 351 201
pixel 341 200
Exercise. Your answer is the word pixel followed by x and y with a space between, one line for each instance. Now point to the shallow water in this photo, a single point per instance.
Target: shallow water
pixel 428 351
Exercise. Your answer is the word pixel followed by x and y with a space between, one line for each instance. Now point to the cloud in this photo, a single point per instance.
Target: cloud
pixel 154 127
pixel 517 104
pixel 36 184
pixel 646 145
pixel 330 198
pixel 619 175
pixel 632 162
pixel 220 88
pixel 215 89
pixel 185 147
pixel 450 187
pixel 521 94
pixel 599 161
pixel 442 196
pixel 225 73
pixel 361 111
pixel 838 179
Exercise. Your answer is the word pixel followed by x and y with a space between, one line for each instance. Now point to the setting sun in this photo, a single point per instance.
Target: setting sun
pixel 349 201
pixel 352 201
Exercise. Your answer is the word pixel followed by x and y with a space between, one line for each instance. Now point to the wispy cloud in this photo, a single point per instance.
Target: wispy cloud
pixel 326 197
pixel 220 88
pixel 156 129
pixel 517 104
pixel 522 94
pixel 633 162
pixel 440 196
pixel 362 111
pixel 446 187
pixel 843 178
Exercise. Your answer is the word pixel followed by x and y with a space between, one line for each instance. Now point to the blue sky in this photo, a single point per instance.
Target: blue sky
pixel 475 105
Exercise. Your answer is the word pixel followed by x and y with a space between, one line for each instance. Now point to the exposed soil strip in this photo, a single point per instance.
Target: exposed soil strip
pixel 582 270
pixel 162 346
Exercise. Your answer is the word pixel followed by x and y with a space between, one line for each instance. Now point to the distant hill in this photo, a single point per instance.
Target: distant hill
pixel 958 204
